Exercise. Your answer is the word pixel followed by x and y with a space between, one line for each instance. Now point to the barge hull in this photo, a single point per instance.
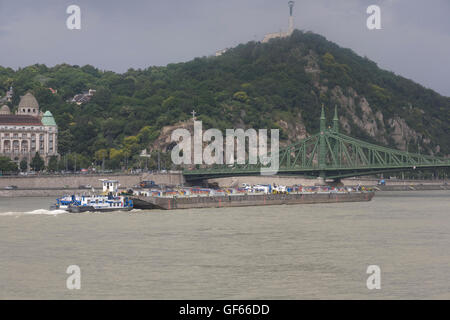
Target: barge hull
pixel 142 202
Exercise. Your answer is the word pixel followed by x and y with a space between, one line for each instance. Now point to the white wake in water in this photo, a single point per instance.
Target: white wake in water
pixel 33 212
pixel 51 212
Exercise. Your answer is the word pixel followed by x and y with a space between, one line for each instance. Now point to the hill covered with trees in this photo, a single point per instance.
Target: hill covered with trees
pixel 280 84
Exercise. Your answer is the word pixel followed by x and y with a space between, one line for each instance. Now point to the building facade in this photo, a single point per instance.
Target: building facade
pixel 27 131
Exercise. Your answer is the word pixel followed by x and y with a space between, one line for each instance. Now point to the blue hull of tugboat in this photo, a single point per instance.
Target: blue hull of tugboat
pixel 77 209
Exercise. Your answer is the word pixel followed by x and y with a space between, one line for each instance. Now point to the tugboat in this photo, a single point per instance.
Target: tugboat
pixel 108 200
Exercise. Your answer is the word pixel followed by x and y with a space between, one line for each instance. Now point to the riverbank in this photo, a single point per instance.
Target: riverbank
pixel 55 192
pixel 58 185
pixel 73 181
pixel 412 187
pixel 299 180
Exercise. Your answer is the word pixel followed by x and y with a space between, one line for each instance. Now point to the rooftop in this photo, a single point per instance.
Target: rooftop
pixel 28 101
pixel 19 120
pixel 48 120
pixel 5 110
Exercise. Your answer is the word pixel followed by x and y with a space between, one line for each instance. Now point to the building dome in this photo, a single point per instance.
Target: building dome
pixel 47 119
pixel 28 101
pixel 28 105
pixel 5 110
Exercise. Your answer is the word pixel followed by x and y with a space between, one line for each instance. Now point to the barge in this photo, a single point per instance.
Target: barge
pixel 171 203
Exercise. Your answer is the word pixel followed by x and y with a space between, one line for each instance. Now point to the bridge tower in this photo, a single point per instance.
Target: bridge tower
pixel 335 120
pixel 336 130
pixel 322 146
pixel 337 159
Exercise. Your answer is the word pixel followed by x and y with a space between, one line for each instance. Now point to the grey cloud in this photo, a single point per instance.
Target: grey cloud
pixel 117 35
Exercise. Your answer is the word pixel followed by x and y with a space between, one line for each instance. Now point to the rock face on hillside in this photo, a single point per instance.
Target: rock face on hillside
pixel 164 142
pixel 295 129
pixel 368 121
pixel 355 109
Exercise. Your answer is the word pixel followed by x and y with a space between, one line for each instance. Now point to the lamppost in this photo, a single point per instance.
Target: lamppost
pixel 145 155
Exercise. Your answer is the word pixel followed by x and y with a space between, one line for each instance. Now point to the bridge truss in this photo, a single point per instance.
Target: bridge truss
pixel 330 155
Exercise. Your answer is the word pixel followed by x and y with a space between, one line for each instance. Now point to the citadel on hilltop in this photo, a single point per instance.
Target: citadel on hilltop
pixel 27 131
pixel 281 34
pixel 274 35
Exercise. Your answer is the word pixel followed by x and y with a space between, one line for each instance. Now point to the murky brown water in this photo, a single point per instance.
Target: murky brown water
pixel 273 252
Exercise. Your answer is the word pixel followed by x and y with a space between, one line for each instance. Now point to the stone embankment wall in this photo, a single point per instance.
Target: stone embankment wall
pixel 289 181
pixel 51 185
pixel 416 187
pixel 57 185
pixel 39 192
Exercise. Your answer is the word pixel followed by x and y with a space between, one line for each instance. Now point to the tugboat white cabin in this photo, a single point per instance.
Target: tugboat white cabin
pixel 110 186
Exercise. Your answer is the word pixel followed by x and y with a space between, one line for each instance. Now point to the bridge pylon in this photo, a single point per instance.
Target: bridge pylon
pixel 322 145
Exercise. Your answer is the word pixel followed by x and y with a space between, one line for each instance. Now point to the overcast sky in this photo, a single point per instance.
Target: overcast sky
pixel 116 35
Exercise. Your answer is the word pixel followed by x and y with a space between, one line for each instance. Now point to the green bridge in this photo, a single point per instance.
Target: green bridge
pixel 329 155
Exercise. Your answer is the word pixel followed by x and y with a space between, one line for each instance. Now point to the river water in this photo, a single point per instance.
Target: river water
pixel 313 251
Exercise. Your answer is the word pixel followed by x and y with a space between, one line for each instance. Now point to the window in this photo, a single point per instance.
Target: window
pixel 16 146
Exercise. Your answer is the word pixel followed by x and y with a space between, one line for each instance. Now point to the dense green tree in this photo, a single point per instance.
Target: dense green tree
pixel 7 165
pixel 23 165
pixel 53 164
pixel 76 161
pixel 37 163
